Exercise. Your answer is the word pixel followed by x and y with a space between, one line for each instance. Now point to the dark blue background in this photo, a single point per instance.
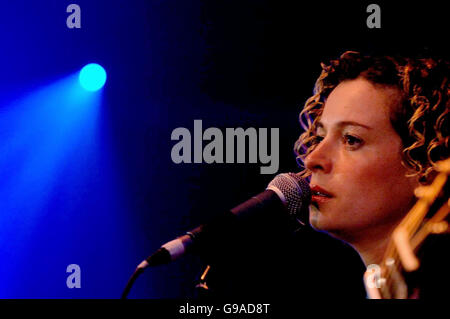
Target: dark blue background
pixel 119 197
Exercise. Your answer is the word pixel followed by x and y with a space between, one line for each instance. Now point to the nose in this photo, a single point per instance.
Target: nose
pixel 320 159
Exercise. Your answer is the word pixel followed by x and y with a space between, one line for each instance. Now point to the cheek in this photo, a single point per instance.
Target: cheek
pixel 377 170
pixel 380 190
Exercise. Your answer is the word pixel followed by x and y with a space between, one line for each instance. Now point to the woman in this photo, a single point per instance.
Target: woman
pixel 374 130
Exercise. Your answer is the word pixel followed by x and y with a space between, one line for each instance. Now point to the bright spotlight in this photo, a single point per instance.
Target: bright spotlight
pixel 92 77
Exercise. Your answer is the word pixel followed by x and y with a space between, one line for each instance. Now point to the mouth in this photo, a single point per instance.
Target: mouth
pixel 320 195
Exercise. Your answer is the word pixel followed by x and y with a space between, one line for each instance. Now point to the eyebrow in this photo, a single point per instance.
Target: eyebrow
pixel 344 124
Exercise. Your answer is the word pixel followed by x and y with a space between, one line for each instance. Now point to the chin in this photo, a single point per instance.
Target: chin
pixel 320 223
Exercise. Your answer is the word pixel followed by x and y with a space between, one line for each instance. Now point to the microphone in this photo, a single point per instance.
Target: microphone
pixel 283 202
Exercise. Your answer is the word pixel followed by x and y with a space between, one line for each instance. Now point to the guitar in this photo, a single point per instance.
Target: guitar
pixel 429 216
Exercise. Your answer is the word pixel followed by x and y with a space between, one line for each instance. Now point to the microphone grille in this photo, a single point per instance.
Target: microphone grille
pixel 293 191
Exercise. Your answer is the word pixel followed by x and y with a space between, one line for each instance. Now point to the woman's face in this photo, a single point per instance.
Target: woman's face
pixel 358 162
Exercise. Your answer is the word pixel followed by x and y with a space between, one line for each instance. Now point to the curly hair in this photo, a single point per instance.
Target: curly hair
pixel 419 116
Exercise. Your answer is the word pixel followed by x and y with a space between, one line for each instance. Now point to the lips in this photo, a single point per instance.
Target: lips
pixel 320 195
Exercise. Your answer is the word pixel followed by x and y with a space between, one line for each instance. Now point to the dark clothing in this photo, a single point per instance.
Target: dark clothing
pixel 306 265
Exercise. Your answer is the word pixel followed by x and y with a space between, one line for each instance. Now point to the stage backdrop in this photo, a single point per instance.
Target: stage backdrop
pixel 90 182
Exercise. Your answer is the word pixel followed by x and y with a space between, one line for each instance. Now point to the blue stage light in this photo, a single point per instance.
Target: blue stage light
pixel 92 77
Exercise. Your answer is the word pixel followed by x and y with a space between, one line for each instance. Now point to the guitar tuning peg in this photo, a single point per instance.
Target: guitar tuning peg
pixel 421 191
pixel 438 227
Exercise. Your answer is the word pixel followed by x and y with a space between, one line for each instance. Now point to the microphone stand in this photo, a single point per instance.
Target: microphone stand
pixel 202 288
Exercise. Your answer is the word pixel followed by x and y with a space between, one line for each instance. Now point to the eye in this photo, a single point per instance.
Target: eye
pixel 317 139
pixel 352 141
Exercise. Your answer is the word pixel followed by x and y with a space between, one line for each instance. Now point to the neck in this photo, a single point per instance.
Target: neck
pixel 372 244
pixel 372 252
